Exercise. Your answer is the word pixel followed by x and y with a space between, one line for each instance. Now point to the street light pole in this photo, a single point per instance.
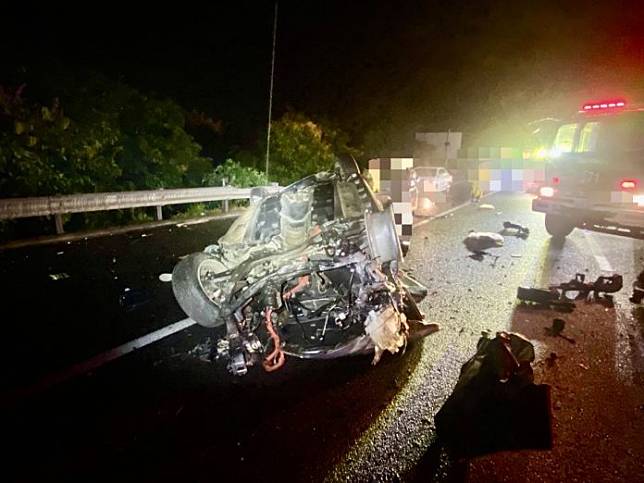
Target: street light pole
pixel 270 94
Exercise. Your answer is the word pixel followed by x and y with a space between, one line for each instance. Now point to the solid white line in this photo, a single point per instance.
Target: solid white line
pixel 100 359
pixel 451 210
pixel 602 262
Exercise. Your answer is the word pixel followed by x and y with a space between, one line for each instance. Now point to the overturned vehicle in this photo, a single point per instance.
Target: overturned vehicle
pixel 313 272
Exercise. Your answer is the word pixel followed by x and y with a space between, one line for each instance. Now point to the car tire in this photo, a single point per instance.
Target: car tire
pixel 559 227
pixel 188 292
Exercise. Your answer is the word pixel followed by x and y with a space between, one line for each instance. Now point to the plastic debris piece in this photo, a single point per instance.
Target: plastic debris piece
pixel 517 230
pixel 165 277
pixel 558 325
pixel 59 253
pixel 479 241
pixel 486 206
pixel 58 276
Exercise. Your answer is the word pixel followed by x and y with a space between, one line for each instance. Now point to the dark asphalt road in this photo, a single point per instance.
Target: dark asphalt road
pixel 162 414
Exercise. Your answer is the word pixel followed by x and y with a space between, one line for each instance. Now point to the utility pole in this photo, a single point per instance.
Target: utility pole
pixel 270 93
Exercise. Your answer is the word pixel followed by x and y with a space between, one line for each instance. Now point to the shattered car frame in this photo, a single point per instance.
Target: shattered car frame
pixel 313 271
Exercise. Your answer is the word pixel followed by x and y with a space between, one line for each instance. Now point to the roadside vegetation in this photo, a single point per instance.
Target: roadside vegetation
pixel 92 134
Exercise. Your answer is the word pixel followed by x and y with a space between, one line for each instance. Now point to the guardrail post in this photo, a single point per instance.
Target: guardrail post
pixel 159 213
pixel 58 219
pixel 224 182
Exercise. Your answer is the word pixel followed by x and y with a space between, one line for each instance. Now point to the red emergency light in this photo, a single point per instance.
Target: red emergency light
pixel 602 105
pixel 628 184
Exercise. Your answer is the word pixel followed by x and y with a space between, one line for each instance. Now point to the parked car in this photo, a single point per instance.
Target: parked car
pixel 428 185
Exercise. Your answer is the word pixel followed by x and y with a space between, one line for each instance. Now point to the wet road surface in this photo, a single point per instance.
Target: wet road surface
pixel 163 414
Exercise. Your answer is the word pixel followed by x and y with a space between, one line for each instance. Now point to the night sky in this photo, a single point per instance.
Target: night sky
pixel 379 70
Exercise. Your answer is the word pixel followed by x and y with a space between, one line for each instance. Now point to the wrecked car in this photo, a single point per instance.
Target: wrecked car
pixel 312 272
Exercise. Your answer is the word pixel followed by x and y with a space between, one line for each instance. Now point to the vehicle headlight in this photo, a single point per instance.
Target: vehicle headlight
pixel 546 191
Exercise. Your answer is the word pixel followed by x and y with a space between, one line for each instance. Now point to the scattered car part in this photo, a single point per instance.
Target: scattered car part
pixel 521 231
pixel 558 325
pixel 562 296
pixel 546 298
pixel 603 285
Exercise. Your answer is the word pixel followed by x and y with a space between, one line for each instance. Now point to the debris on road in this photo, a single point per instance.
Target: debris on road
pixel 486 206
pixel 60 252
pixel 551 359
pixel 544 298
pixel 638 289
pixel 165 277
pixel 58 276
pixel 477 242
pixel 204 351
pixel 561 296
pixel 558 325
pixel 517 230
pixel 589 291
pixel 495 405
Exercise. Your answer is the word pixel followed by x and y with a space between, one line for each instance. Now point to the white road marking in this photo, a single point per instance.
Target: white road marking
pixel 451 210
pixel 99 360
pixel 623 318
pixel 602 262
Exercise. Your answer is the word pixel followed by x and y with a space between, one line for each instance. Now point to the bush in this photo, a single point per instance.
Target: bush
pixel 235 175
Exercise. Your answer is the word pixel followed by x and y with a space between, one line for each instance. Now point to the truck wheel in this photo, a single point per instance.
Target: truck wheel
pixel 189 294
pixel 559 226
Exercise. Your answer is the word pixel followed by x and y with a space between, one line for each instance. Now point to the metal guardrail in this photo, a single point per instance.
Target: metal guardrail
pixel 11 208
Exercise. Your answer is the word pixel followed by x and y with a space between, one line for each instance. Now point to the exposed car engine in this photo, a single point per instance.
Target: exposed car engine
pixel 311 272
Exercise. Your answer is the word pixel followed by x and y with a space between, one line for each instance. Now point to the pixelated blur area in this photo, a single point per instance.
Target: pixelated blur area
pixel 390 178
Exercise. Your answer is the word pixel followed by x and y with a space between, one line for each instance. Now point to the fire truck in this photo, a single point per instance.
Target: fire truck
pixel 595 172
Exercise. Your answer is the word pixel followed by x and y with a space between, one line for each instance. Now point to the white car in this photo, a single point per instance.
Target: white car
pixel 429 179
pixel 428 185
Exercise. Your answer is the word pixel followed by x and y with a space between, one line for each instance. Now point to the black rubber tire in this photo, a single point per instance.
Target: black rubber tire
pixel 559 227
pixel 189 294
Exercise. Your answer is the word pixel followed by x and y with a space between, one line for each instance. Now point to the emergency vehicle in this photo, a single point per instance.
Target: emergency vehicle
pixel 595 172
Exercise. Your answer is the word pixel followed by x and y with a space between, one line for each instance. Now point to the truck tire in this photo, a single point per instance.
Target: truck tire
pixel 188 292
pixel 559 227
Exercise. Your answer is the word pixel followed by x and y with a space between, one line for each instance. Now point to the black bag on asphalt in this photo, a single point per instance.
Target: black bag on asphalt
pixel 495 405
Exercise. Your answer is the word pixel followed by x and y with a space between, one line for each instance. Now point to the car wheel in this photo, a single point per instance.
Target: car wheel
pixel 188 292
pixel 559 226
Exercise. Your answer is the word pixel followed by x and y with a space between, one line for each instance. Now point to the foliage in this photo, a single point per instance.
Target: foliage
pixel 298 149
pixel 235 175
pixel 43 152
pixel 109 137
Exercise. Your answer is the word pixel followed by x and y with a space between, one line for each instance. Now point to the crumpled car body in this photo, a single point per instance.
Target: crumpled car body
pixel 313 271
